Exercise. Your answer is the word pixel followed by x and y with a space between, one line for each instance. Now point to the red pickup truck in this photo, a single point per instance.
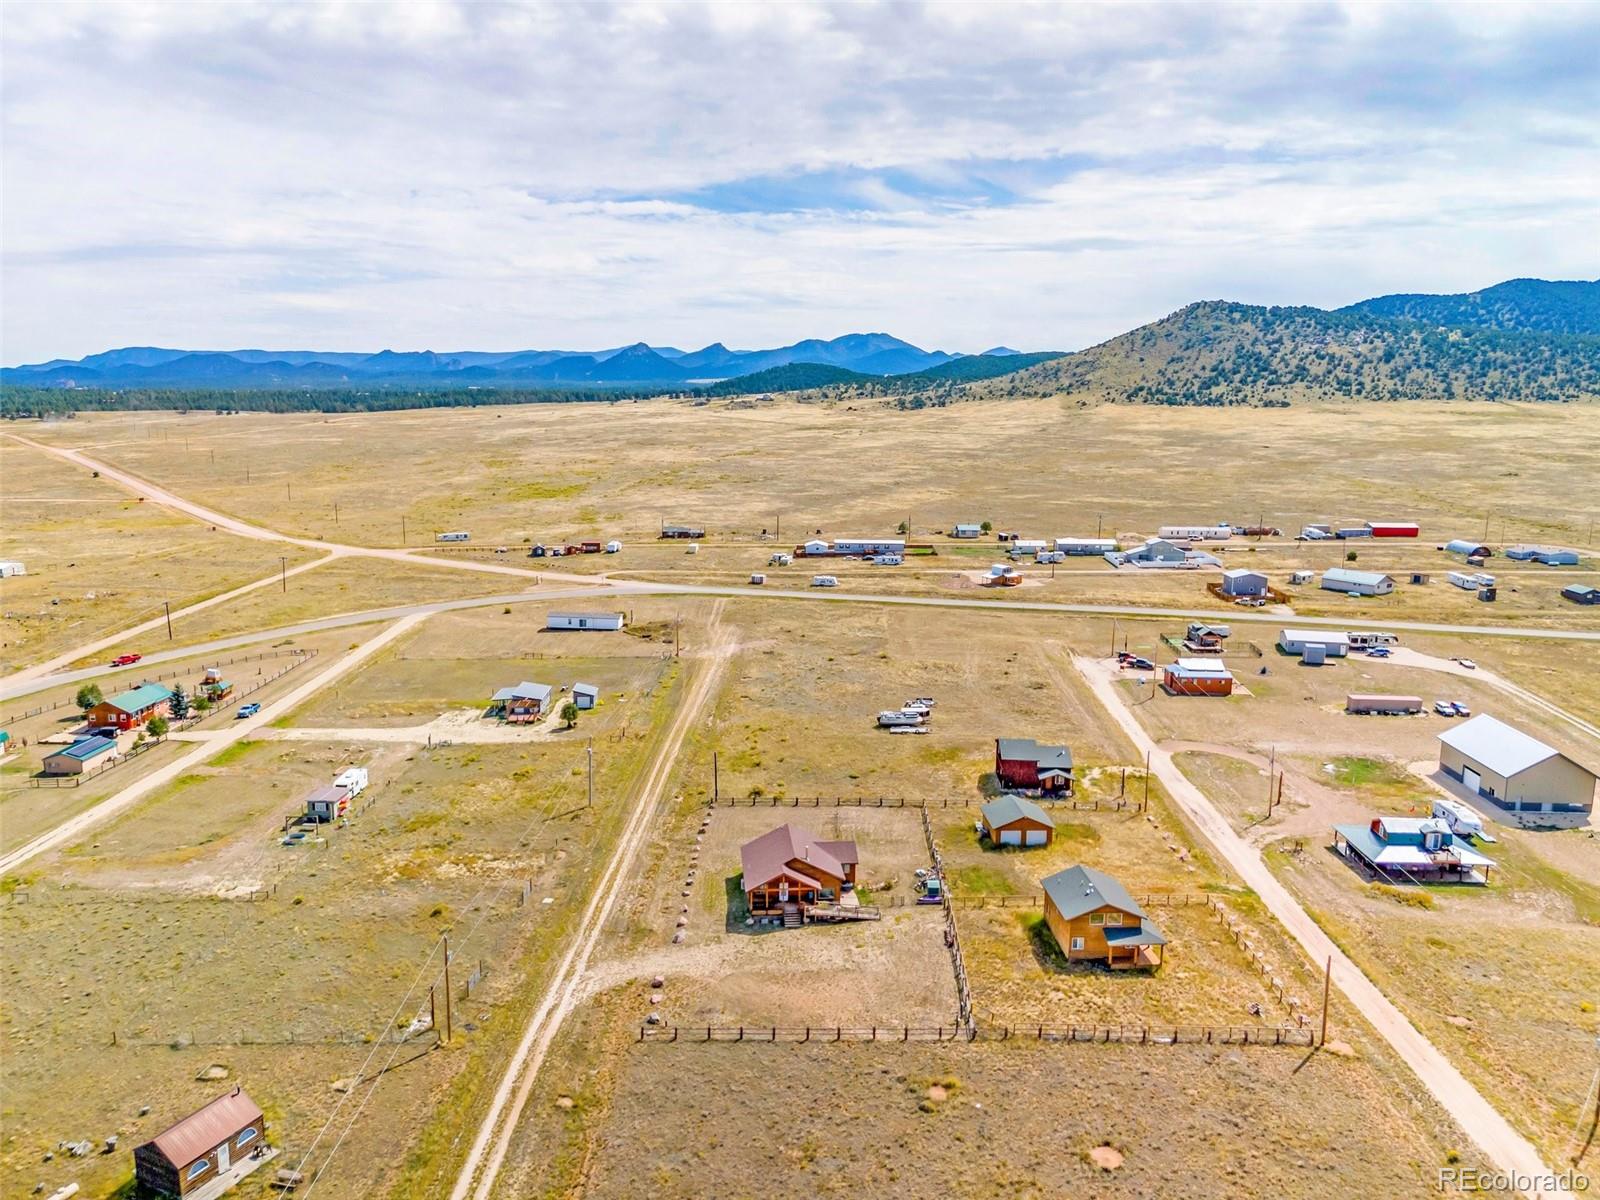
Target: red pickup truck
pixel 126 660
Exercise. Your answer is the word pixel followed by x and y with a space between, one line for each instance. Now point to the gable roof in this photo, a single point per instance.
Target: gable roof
pixel 1056 758
pixel 139 698
pixel 1327 637
pixel 1079 890
pixel 202 1132
pixel 585 689
pixel 1346 575
pixel 524 691
pixel 86 748
pixel 1015 808
pixel 766 856
pixel 1496 745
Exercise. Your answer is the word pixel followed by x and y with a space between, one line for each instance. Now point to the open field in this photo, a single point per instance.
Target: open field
pixel 344 584
pixel 443 842
pixel 98 560
pixel 544 472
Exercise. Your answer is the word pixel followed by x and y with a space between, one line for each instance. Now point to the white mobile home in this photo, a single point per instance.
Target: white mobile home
pixel 967 531
pixel 608 621
pixel 1195 533
pixel 459 535
pixel 867 546
pixel 1073 545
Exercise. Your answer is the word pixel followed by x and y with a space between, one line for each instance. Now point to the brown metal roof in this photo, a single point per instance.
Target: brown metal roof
pixel 198 1134
pixel 766 856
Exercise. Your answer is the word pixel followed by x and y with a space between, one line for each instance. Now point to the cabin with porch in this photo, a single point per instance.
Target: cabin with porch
pixel 787 871
pixel 1094 919
pixel 521 703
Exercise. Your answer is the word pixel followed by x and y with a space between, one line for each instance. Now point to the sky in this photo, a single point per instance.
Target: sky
pixel 483 176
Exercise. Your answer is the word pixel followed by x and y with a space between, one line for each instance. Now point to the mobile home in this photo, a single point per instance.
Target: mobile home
pixel 458 535
pixel 609 621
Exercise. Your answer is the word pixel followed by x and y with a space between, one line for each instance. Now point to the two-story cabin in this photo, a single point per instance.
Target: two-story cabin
pixel 1412 849
pixel 1024 764
pixel 1095 919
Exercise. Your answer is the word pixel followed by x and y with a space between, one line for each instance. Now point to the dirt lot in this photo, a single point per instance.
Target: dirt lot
pixel 981 1120
pixel 98 560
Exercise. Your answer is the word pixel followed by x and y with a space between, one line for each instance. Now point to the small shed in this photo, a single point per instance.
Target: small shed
pixel 327 804
pixel 1017 821
pixel 967 531
pixel 1241 581
pixel 10 567
pixel 202 1147
pixel 606 621
pixel 585 695
pixel 1581 593
pixel 77 758
pixel 1467 547
pixel 1302 576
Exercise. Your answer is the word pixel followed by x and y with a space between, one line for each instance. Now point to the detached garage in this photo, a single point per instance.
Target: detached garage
pixel 1014 821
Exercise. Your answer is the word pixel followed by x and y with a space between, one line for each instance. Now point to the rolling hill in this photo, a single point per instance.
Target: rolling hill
pixel 1220 353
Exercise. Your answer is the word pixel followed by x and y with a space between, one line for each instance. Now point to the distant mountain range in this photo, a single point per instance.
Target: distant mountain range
pixel 873 354
pixel 1526 339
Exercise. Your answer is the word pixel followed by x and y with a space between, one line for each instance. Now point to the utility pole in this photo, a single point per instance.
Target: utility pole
pixel 335 512
pixel 289 487
pixel 447 989
pixel 402 529
pixel 1113 637
pixel 1098 520
pixel 1327 983
pixel 1145 807
pixel 283 572
pixel 716 780
pixel 433 1015
pixel 591 773
pixel 167 608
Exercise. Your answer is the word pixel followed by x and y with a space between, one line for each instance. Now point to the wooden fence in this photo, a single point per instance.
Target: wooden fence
pixel 1132 1035
pixel 1062 805
pixel 952 935
pixel 220 662
pixel 1036 900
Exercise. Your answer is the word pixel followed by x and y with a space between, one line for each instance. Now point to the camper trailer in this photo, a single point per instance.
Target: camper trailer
pixel 1463 822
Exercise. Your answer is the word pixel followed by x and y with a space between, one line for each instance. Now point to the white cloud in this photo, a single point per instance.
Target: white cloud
pixel 453 176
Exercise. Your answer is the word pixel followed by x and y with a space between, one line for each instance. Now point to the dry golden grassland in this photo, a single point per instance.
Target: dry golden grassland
pixel 1044 467
pixel 98 560
pixel 123 930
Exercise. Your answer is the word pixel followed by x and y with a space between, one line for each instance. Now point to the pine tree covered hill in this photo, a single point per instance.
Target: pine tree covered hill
pixel 1531 305
pixel 1221 353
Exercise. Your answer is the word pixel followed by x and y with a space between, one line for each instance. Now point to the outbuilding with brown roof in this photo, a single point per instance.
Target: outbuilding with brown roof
pixel 787 866
pixel 206 1143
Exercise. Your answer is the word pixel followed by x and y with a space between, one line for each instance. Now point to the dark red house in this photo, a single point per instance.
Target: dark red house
pixel 1024 764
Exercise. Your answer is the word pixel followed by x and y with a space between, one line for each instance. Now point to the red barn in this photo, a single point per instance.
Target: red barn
pixel 1393 528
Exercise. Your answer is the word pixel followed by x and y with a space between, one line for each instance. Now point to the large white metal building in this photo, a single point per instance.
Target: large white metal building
pixel 1333 643
pixel 1517 772
pixel 1357 583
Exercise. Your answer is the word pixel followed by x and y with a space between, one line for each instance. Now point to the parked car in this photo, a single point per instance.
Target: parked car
pixel 1136 663
pixel 126 660
pixel 1444 708
pixel 1468 664
pixel 1378 652
pixel 247 710
pixel 1461 709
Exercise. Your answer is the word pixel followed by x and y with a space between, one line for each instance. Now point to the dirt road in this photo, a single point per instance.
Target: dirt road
pixel 1402 656
pixel 1501 1144
pixel 489 1148
pixel 465 727
pixel 221 740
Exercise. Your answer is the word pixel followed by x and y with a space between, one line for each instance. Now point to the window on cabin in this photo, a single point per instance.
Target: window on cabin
pixel 248 1135
pixel 1077 943
pixel 1113 918
pixel 199 1167
pixel 1097 918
